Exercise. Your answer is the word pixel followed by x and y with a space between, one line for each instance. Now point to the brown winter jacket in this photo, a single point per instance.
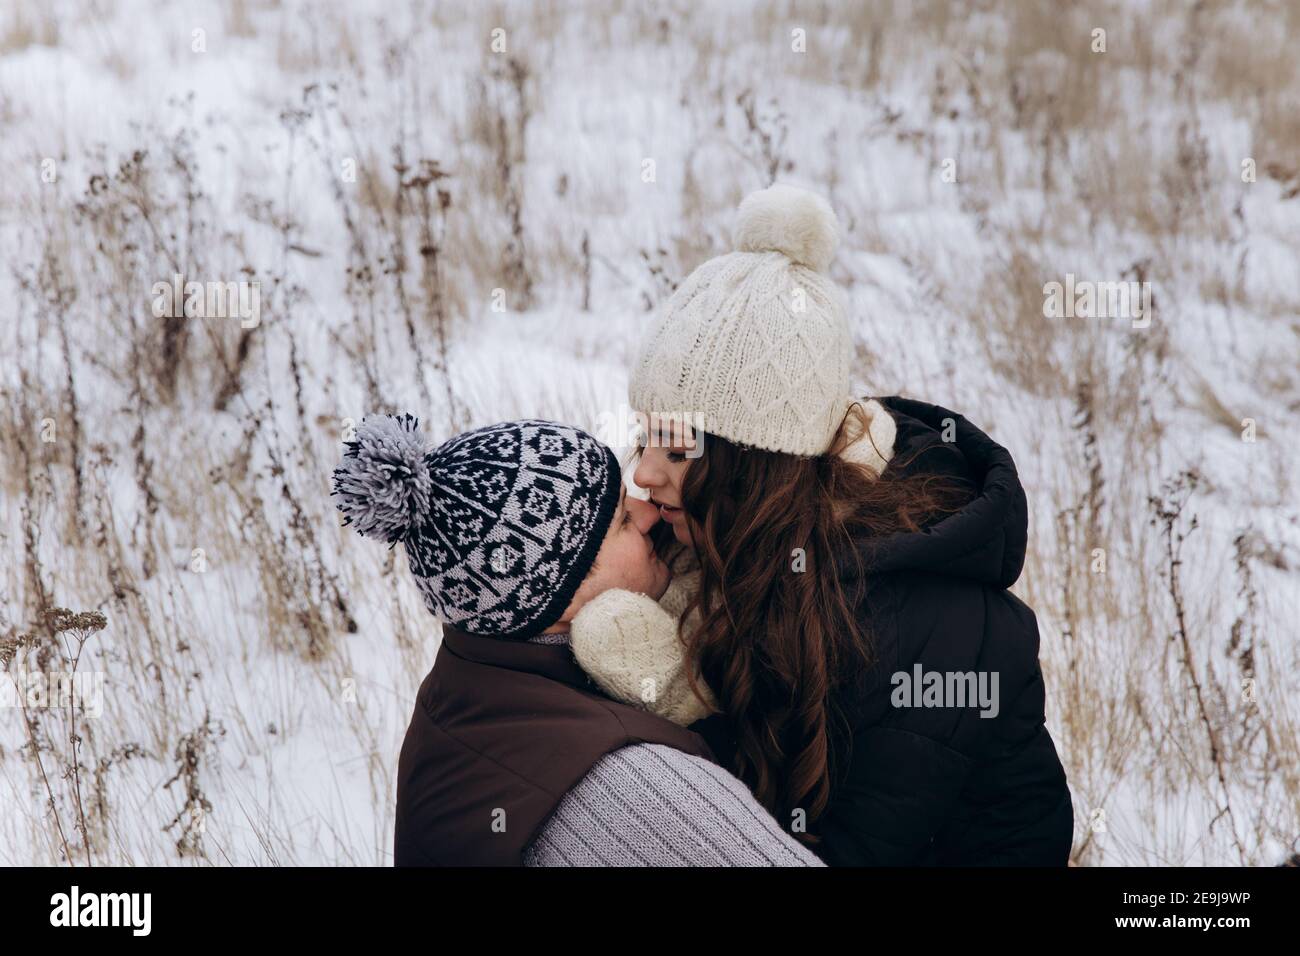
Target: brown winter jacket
pixel 502 730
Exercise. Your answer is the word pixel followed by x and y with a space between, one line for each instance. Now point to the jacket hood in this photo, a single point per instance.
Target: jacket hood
pixel 985 541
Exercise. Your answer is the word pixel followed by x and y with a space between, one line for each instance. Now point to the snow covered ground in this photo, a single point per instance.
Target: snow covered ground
pixel 475 225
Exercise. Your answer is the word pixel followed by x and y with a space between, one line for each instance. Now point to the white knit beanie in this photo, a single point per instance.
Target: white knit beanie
pixel 754 345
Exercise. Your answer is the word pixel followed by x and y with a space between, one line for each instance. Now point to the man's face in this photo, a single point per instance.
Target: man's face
pixel 626 559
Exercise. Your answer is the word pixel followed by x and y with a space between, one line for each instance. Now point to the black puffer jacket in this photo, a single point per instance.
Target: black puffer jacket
pixel 943 785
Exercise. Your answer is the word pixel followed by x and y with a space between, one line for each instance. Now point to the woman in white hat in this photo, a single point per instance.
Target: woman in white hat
pixel 846 614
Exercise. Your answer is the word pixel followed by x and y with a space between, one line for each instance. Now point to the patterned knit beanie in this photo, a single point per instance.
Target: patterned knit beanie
pixel 755 344
pixel 500 524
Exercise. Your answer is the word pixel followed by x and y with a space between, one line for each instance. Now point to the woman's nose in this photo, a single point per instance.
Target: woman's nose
pixel 644 514
pixel 646 475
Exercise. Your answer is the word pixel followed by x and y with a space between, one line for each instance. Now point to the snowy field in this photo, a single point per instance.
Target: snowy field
pixel 475 225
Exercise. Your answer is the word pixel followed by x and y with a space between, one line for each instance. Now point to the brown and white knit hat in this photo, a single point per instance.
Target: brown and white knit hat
pixel 755 344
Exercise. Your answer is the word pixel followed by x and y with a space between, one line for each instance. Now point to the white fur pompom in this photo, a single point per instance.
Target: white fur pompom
pixel 790 220
pixel 383 485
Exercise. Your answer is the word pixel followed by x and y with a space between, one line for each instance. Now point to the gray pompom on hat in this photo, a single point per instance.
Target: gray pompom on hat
pixel 383 484
pixel 500 525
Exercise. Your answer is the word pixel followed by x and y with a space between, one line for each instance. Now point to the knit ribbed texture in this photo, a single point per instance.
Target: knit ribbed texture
pixel 560 637
pixel 651 805
pixel 754 345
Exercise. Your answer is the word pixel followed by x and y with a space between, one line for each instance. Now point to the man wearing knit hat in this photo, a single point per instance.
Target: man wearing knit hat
pixel 513 755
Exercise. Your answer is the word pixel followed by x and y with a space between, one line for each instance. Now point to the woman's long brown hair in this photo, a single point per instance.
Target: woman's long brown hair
pixel 776 643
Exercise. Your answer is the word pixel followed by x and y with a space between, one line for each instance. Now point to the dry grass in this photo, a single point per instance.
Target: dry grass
pixel 175 437
pixel 24 27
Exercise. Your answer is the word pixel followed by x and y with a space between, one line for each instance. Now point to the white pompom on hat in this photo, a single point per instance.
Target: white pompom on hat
pixel 754 345
pixel 793 221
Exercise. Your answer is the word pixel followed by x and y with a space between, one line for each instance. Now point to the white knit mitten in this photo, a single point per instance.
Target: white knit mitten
pixel 628 644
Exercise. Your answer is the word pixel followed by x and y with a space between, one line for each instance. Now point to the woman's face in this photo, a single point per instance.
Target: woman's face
pixel 666 452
